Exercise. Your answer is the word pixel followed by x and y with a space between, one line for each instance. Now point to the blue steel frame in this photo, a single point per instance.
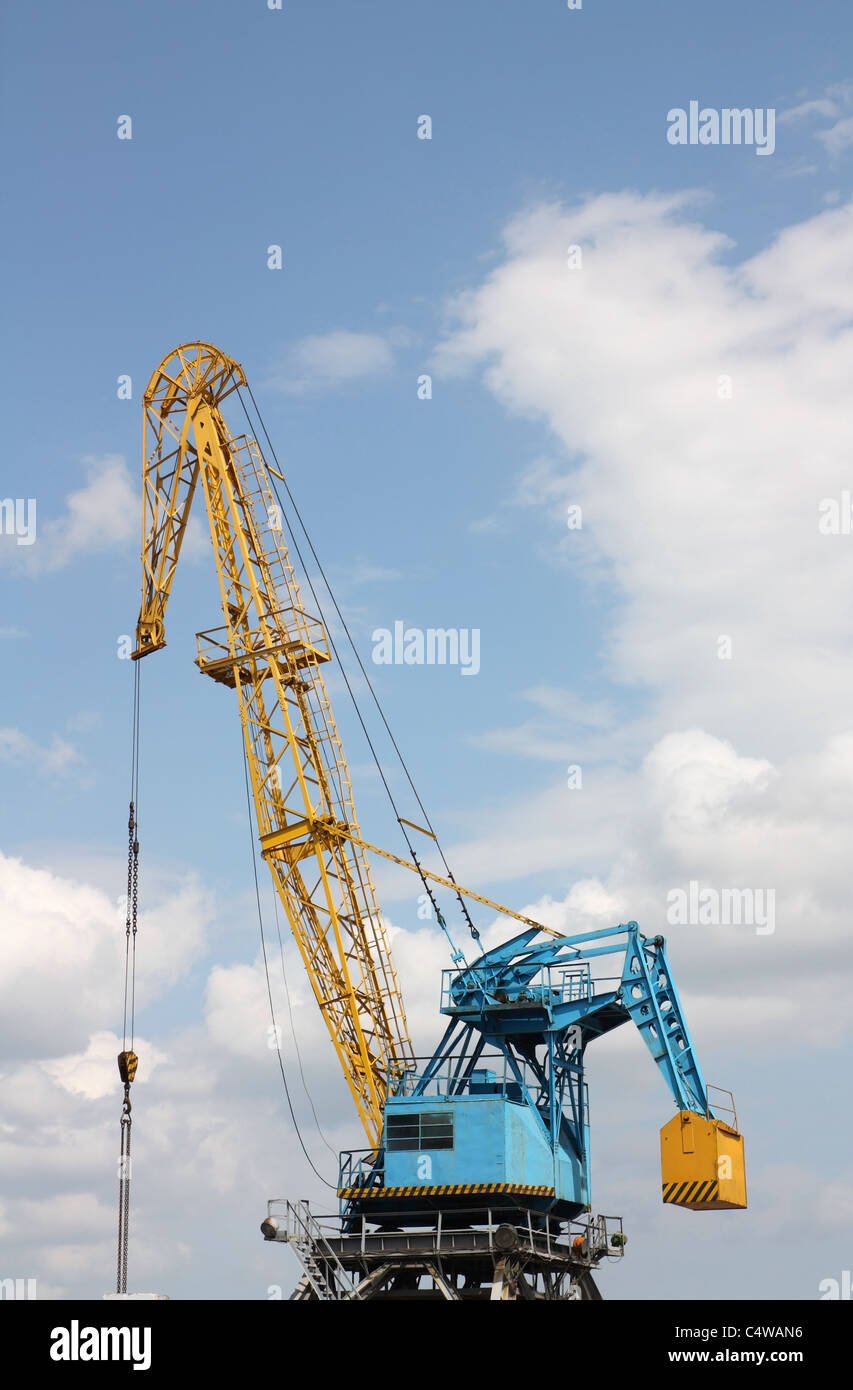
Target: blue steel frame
pixel 538 1006
pixel 500 997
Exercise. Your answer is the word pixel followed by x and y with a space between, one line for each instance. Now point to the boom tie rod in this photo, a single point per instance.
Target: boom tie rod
pixel 451 883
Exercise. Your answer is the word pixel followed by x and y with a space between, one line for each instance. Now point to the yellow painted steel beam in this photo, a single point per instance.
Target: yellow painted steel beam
pixel 448 883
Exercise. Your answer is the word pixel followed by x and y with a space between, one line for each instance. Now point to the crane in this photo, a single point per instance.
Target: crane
pixel 475 1179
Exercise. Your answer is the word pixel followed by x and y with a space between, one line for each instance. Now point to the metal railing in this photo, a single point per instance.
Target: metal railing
pixel 317 1257
pixel 362 1168
pixel 293 630
pixel 584 1242
pixel 491 1075
pixel 718 1106
pixel 554 985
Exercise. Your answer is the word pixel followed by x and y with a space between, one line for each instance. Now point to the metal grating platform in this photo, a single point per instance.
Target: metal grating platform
pixel 473 1255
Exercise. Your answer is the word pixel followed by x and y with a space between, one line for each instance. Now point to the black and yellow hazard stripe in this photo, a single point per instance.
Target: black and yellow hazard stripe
pixel 447 1190
pixel 687 1193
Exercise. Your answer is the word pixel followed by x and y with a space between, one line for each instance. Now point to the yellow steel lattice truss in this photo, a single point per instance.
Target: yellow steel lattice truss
pixel 271 651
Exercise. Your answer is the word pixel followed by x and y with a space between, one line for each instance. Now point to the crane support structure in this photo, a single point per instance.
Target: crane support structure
pixel 271 651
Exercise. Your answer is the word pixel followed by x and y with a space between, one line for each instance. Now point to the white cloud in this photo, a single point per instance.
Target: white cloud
pixel 102 515
pixel 561 725
pixel 820 106
pixel 324 361
pixel 837 99
pixel 701 515
pixel 195 546
pixel 698 782
pixel 702 510
pixel 237 1010
pixel 835 1205
pixel 92 1073
pixel 839 136
pixel 363 572
pixel 58 756
pixel 211 1131
pixel 487 526
pixel 67 929
pixel 199 1132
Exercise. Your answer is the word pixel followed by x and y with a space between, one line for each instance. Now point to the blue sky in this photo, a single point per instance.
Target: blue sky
pixel 298 127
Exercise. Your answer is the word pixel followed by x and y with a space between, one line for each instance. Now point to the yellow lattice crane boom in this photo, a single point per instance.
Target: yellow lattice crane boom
pixel 272 653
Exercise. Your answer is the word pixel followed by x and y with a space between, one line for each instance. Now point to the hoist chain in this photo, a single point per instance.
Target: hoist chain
pixel 131 827
pixel 127 1058
pixel 124 1194
pixel 127 1064
pixel 132 906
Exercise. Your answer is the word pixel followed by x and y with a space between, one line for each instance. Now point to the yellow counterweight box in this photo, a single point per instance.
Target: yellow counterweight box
pixel 702 1164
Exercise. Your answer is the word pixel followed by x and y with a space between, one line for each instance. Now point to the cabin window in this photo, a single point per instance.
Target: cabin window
pixel 415 1131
